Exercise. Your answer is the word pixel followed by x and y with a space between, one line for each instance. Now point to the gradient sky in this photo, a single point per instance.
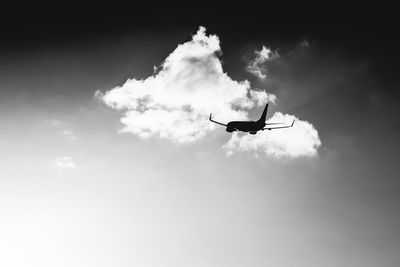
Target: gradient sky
pixel 74 191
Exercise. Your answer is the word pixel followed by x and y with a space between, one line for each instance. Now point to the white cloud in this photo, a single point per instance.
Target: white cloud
pixel 64 163
pixel 257 66
pixel 300 140
pixel 59 127
pixel 69 134
pixel 175 102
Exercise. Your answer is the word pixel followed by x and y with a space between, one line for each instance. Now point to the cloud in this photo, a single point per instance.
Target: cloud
pixel 305 43
pixel 300 140
pixel 59 127
pixel 174 103
pixel 69 134
pixel 257 66
pixel 64 163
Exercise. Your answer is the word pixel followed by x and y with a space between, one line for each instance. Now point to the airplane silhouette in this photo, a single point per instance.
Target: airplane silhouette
pixel 251 127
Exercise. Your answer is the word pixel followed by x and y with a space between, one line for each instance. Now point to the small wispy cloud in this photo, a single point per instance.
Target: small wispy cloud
pixel 305 43
pixel 69 134
pixel 64 163
pixel 60 128
pixel 257 66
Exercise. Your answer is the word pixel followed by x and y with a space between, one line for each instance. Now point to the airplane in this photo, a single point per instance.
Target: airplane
pixel 252 127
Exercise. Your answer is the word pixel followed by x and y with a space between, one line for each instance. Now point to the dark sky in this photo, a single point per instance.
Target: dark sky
pixel 359 30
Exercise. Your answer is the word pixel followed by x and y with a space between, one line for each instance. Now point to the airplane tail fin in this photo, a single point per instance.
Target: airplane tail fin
pixel 264 114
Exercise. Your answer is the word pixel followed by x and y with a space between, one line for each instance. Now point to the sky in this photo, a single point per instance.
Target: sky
pixel 108 158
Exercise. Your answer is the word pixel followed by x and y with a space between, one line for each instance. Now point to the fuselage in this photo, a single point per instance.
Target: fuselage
pixel 245 126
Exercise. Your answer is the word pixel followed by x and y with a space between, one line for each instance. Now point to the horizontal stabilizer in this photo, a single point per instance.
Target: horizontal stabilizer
pixel 279 127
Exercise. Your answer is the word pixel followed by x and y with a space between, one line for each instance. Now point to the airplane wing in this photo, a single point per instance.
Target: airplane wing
pixel 216 121
pixel 280 127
